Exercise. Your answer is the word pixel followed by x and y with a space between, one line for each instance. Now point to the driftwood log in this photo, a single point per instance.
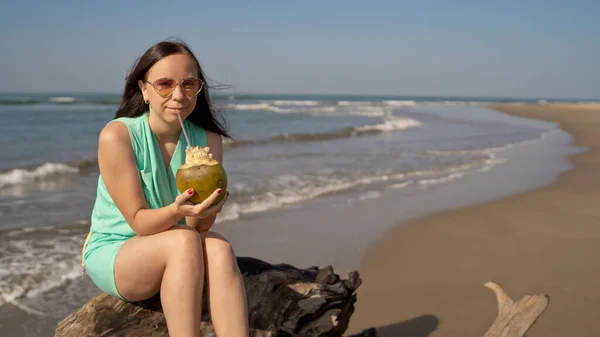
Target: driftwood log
pixel 283 301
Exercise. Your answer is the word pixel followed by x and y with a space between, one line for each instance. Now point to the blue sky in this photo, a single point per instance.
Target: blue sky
pixel 461 48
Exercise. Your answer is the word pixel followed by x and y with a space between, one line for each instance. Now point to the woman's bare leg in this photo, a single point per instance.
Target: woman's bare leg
pixel 172 262
pixel 225 287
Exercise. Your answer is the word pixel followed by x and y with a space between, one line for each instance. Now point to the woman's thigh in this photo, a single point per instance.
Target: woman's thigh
pixel 140 263
pixel 100 265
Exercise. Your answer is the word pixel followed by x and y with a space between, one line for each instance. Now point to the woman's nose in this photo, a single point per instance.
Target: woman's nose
pixel 178 93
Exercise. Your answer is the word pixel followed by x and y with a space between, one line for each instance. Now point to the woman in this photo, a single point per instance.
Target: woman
pixel 145 236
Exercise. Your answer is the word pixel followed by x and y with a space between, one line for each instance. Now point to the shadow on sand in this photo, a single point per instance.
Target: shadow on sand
pixel 421 326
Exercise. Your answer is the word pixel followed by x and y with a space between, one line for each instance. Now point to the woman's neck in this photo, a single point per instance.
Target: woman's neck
pixel 164 132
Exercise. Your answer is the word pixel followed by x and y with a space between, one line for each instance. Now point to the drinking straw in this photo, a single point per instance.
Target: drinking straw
pixel 184 133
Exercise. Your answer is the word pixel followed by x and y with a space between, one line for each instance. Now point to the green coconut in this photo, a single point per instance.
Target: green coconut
pixel 202 173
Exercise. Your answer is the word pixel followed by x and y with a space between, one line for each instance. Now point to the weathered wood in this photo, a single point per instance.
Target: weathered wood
pixel 282 300
pixel 515 318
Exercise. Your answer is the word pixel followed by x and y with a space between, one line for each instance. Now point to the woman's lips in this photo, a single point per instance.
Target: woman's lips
pixel 178 110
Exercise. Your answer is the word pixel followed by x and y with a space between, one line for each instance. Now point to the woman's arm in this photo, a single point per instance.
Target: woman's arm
pixel 215 143
pixel 121 177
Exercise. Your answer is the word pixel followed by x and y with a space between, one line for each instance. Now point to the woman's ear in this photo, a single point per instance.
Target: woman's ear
pixel 142 86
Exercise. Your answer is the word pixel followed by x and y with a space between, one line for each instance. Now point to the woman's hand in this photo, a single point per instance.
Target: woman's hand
pixel 203 210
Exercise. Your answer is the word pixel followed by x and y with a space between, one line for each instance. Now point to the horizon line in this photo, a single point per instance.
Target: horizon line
pixel 214 93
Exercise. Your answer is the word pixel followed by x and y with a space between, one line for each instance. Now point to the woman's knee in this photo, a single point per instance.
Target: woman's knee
pixel 217 247
pixel 185 240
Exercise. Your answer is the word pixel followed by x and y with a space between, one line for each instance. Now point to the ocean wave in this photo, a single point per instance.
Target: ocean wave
pixel 390 124
pixel 18 101
pixel 354 103
pixel 390 103
pixel 62 99
pixel 400 103
pixel 254 106
pixel 285 190
pixel 320 108
pixel 298 103
pixel 35 261
pixel 369 111
pixel 20 176
pixel 444 179
pixel 292 193
pixel 543 135
pixel 273 108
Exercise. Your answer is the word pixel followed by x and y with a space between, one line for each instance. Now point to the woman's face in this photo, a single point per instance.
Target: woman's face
pixel 168 87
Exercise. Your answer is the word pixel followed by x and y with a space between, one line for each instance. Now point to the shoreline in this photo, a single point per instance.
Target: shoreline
pixel 425 278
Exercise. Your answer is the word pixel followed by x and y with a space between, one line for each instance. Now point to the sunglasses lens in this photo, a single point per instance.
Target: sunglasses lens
pixel 165 86
pixel 192 86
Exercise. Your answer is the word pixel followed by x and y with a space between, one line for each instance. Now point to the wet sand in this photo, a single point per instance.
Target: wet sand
pixel 425 278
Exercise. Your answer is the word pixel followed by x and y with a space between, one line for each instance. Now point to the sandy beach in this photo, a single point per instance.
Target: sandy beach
pixel 425 278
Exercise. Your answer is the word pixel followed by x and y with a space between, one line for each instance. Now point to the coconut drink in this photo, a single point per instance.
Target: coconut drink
pixel 202 173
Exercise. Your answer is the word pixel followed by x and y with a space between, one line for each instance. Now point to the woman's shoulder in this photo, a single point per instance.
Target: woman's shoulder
pixel 123 127
pixel 114 133
pixel 213 139
pixel 215 142
pixel 131 121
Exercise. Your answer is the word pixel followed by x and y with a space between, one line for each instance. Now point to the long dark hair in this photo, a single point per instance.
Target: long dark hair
pixel 132 103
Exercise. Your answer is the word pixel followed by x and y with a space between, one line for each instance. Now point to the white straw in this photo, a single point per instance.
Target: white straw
pixel 184 133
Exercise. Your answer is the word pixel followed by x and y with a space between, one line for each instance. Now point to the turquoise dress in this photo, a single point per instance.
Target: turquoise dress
pixel 109 230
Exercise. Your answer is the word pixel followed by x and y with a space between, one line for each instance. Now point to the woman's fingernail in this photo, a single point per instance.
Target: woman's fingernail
pixel 219 191
pixel 227 193
pixel 190 191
